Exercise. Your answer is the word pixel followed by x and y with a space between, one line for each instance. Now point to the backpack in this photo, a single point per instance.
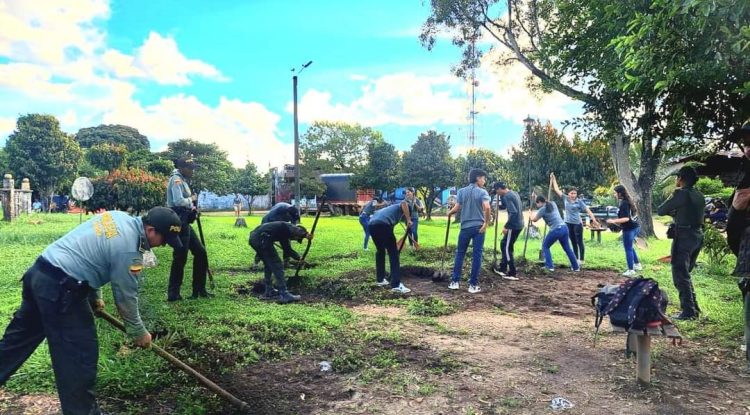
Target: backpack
pixel 635 304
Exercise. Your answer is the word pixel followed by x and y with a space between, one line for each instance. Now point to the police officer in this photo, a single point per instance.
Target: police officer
pixel 180 199
pixel 64 283
pixel 282 212
pixel 262 241
pixel 686 207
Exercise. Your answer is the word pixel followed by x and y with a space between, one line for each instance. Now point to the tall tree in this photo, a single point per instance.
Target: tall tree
pixel 611 57
pixel 383 168
pixel 493 163
pixel 216 172
pixel 337 146
pixel 3 161
pixel 428 166
pixel 248 181
pixel 39 150
pixel 107 156
pixel 112 134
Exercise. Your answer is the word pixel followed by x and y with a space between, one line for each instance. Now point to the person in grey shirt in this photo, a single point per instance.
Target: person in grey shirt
pixel 573 208
pixel 381 229
pixel 512 228
pixel 557 232
pixel 474 204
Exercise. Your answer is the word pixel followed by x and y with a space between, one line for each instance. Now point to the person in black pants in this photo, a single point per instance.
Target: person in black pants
pixel 686 208
pixel 512 228
pixel 381 229
pixel 573 209
pixel 262 241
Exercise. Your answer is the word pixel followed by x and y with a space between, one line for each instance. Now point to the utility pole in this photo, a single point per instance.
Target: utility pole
pixel 296 137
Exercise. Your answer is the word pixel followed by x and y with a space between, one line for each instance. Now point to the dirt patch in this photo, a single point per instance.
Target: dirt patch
pixel 34 404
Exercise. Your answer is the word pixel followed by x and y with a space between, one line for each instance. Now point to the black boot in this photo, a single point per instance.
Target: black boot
pixel 199 294
pixel 684 316
pixel 287 297
pixel 270 293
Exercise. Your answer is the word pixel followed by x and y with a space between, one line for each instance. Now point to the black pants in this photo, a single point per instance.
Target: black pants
pixel 575 233
pixel 51 309
pixel 190 242
pixel 508 264
pixel 385 240
pixel 686 246
pixel 272 265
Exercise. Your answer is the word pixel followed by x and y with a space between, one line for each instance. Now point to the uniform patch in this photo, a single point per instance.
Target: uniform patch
pixel 175 228
pixel 136 268
pixel 177 181
pixel 106 226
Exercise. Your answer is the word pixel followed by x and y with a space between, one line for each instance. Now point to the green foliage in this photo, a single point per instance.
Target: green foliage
pixel 105 156
pixel 430 307
pixel 383 170
pixel 128 189
pixel 39 150
pixel 715 246
pixel 336 146
pixel 216 172
pixel 713 188
pixel 495 165
pixel 428 166
pixel 114 135
pixel 3 162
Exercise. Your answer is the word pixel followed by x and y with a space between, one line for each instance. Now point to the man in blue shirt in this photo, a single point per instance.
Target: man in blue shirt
pixel 64 283
pixel 474 204
pixel 381 228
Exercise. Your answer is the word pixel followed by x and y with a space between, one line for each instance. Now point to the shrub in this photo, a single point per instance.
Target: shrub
pixel 715 247
pixel 128 189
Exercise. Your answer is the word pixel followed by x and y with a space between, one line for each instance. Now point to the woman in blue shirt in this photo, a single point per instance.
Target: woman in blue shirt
pixel 558 232
pixel 573 208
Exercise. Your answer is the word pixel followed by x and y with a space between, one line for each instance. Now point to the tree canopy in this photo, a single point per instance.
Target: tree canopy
pixel 105 156
pixel 383 170
pixel 112 134
pixel 216 172
pixel 336 146
pixel 428 166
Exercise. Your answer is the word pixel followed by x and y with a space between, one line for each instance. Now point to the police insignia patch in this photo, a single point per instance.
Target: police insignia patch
pixel 136 268
pixel 177 181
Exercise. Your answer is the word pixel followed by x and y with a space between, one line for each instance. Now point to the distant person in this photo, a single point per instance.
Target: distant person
pixel 367 211
pixel 573 209
pixel 64 284
pixel 262 241
pixel 627 220
pixel 558 232
pixel 474 204
pixel 381 228
pixel 512 228
pixel 36 207
pixel 685 206
pixel 237 205
pixel 417 209
pixel 180 199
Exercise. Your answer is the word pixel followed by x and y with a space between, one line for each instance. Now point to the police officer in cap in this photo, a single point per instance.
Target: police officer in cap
pixel 180 199
pixel 283 212
pixel 686 208
pixel 262 241
pixel 62 286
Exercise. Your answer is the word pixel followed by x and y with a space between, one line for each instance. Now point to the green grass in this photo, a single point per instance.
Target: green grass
pixel 233 330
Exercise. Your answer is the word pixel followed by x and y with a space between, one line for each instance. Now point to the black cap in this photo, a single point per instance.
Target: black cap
pixel 186 162
pixel 301 235
pixel 687 173
pixel 167 223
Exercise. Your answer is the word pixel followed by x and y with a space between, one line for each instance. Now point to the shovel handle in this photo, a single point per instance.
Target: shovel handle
pixel 180 365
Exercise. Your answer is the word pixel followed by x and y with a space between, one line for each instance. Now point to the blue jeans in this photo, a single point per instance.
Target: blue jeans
pixel 413 231
pixel 558 234
pixel 364 220
pixel 464 237
pixel 628 236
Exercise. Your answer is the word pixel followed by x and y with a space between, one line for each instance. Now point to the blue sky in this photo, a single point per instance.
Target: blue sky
pixel 219 72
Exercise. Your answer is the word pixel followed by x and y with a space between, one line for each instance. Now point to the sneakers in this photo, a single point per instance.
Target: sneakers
pixel 453 285
pixel 401 289
pixel 629 273
pixel 287 297
pixel 549 270
pixel 581 262
pixel 638 266
pixel 577 270
pixel 383 283
pixel 473 289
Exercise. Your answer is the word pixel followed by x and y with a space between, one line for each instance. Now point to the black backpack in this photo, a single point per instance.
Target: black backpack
pixel 635 304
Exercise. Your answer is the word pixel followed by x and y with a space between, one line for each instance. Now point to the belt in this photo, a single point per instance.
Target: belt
pixel 60 276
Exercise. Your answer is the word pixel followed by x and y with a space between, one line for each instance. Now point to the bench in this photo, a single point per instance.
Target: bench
pixel 598 233
pixel 639 342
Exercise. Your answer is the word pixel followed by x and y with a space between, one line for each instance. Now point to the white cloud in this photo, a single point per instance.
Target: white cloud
pixel 7 125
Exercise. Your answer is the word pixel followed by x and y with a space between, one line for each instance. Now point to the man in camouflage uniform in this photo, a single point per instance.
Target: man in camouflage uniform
pixel 64 283
pixel 180 199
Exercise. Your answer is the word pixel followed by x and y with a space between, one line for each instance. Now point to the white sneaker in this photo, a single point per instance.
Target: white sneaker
pixel 638 267
pixel 577 270
pixel 453 285
pixel 383 283
pixel 473 289
pixel 401 289
pixel 581 262
pixel 629 273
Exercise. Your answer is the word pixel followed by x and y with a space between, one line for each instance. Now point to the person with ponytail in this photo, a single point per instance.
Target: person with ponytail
pixel 627 220
pixel 558 232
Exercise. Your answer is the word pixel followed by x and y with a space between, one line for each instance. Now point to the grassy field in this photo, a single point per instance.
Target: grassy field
pixel 237 330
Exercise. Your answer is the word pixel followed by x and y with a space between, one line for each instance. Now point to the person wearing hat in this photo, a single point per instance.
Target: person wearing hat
pixel 685 206
pixel 262 240
pixel 512 228
pixel 180 199
pixel 280 212
pixel 64 283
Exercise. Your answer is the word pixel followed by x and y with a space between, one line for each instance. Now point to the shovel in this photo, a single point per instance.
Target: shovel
pixel 441 274
pixel 309 242
pixel 544 233
pixel 181 365
pixel 203 241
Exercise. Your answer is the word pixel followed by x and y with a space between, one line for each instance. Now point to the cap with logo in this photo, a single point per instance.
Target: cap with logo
pixel 186 161
pixel 167 223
